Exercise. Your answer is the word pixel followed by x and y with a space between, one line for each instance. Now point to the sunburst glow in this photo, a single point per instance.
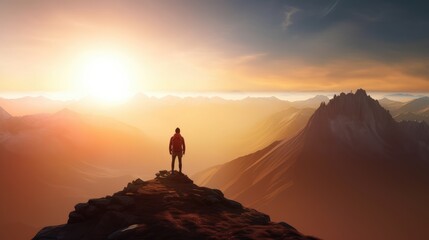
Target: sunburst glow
pixel 106 76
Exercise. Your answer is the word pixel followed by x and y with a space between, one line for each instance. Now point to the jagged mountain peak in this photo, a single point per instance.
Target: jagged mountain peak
pixel 357 106
pixel 167 207
pixel 353 121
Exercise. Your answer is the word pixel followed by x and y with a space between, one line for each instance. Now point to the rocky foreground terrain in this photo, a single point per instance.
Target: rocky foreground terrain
pixel 167 207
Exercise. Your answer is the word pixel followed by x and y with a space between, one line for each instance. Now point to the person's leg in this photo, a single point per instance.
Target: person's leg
pixel 173 158
pixel 180 162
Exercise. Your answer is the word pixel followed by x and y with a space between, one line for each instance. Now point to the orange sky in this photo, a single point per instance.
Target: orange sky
pixel 202 46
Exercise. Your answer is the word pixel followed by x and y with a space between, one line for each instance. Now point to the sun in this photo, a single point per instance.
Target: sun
pixel 106 76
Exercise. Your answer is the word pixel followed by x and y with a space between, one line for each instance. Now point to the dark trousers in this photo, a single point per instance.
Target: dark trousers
pixel 173 158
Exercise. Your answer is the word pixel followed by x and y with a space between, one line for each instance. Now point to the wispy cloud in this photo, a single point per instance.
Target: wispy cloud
pixel 330 8
pixel 288 13
pixel 247 58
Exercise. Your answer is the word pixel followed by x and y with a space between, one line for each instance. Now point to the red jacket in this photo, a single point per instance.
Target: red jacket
pixel 177 144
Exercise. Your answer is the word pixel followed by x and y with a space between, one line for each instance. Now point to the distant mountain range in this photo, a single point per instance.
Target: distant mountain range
pixel 352 173
pixel 32 105
pixel 414 110
pixel 197 116
pixel 313 102
pixel 390 105
pixel 417 106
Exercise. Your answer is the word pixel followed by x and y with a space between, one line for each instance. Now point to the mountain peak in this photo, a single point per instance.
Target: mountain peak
pixel 353 106
pixel 355 120
pixel 167 207
pixel 360 91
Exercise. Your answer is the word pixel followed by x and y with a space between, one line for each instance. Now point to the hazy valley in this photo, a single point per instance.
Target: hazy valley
pixel 71 150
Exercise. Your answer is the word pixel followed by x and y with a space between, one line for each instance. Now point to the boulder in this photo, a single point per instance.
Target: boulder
pixel 81 207
pixel 125 201
pixel 100 202
pixel 75 217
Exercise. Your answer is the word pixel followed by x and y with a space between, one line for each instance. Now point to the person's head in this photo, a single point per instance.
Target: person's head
pixel 177 130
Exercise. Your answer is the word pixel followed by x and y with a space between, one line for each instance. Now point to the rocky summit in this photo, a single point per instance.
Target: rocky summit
pixel 167 207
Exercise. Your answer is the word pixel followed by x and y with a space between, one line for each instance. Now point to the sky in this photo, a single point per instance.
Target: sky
pixel 214 45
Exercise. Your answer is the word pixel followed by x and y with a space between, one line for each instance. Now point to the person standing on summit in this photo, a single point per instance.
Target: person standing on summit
pixel 177 149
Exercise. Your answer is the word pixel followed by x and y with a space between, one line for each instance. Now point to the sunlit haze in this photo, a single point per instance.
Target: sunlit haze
pixel 105 76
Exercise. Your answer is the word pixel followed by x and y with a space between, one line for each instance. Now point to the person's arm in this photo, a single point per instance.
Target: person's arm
pixel 170 145
pixel 184 146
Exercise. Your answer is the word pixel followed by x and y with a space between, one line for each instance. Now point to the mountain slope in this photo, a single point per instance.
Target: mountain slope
pixel 419 117
pixel 415 110
pixel 351 168
pixel 279 126
pixel 168 207
pixel 4 114
pixel 416 106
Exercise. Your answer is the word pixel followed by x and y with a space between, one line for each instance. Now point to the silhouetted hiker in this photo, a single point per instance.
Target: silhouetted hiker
pixel 176 148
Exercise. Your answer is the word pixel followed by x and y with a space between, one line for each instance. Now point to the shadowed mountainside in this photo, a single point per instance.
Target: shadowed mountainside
pixel 419 117
pixel 352 167
pixel 168 207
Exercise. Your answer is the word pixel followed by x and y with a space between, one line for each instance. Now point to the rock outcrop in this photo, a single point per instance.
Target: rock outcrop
pixel 168 207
